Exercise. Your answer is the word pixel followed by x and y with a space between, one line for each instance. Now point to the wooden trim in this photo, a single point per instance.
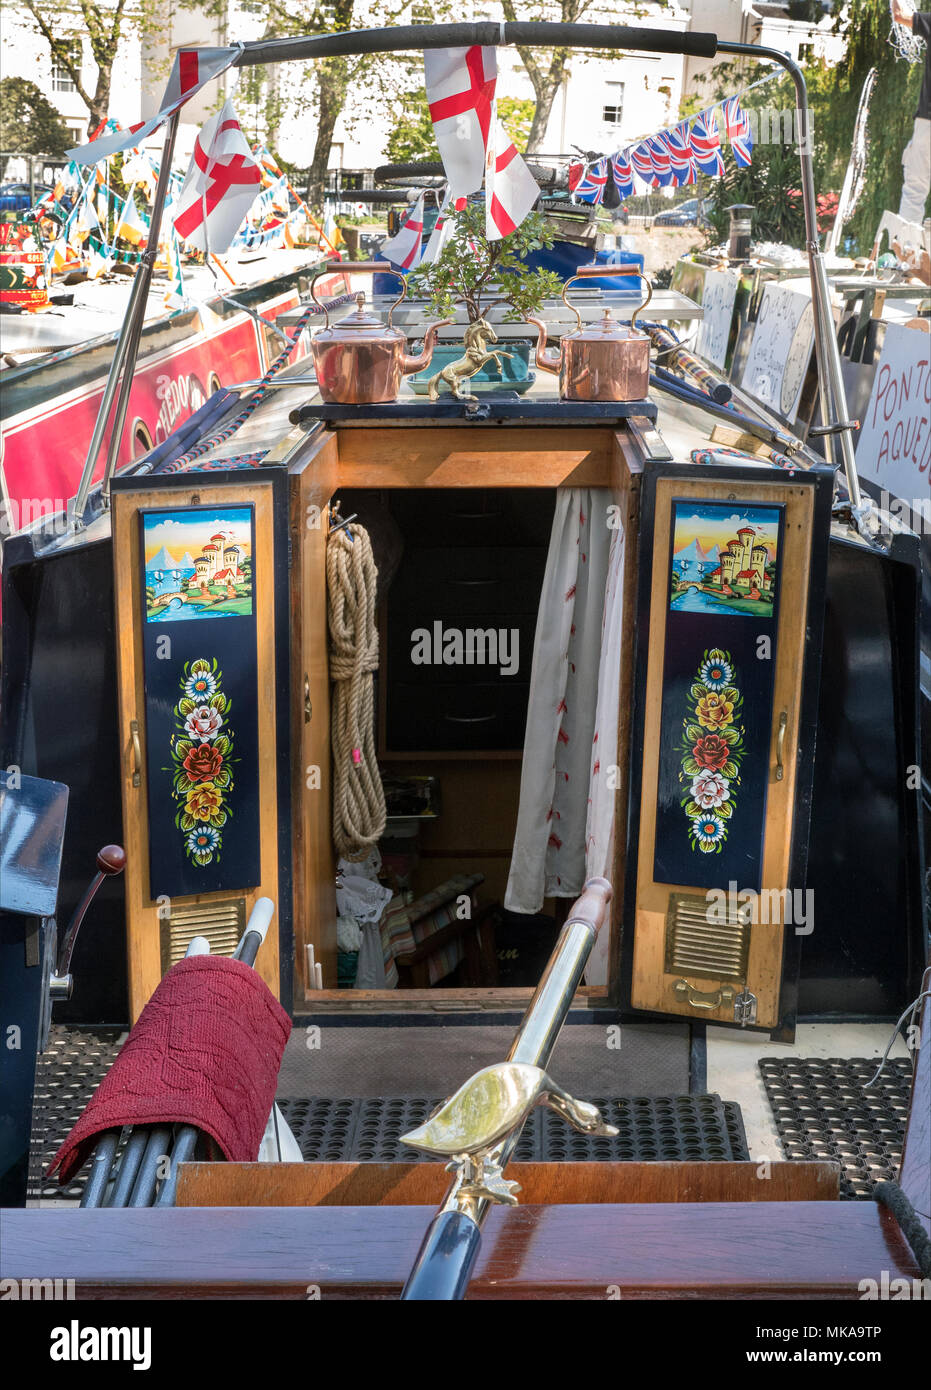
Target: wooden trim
pixel 488 1000
pixel 426 1184
pixel 143 927
pixel 494 457
pixel 313 479
pixel 693 1250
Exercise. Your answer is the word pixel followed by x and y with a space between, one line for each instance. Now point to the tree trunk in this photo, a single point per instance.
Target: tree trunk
pixel 99 107
pixel 333 80
pixel 545 86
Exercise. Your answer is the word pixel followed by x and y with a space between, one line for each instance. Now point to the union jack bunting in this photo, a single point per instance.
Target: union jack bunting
pixel 623 173
pixel 642 160
pixel 681 158
pixel 591 186
pixel 737 124
pixel 706 145
pixel 662 171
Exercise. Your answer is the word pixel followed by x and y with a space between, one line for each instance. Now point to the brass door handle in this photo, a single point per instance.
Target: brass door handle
pixel 137 752
pixel 781 746
pixel 699 999
pixel 308 707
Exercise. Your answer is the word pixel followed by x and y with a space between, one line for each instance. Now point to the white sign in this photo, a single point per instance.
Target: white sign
pixel 717 301
pixel 894 447
pixel 783 338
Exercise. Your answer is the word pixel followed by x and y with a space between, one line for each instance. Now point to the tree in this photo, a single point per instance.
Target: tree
pixel 412 138
pixel 105 24
pixel 29 123
pixel 546 68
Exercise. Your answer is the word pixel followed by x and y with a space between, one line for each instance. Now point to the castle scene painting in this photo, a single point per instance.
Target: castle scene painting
pixel 198 563
pixel 724 558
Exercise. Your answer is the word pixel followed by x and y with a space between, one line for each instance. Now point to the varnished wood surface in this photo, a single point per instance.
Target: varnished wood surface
pixel 312 482
pixel 419 1184
pixel 801 1250
pixel 493 457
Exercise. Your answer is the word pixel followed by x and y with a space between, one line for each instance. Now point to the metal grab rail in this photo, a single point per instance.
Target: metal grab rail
pixel 450 1247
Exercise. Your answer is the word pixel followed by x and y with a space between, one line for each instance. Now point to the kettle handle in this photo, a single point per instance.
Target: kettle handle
pixel 358 268
pixel 591 271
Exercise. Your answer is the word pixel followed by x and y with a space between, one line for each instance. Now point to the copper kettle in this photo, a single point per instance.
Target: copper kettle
pixel 360 360
pixel 605 361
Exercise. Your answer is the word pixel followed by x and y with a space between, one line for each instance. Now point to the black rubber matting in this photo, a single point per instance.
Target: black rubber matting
pixel 369 1130
pixel 67 1075
pixel 823 1112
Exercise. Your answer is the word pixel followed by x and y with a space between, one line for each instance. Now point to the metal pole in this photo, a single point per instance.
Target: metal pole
pixel 124 356
pixel 831 391
pixel 450 1247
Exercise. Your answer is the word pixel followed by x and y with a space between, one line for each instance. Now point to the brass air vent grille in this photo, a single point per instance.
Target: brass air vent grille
pixel 222 923
pixel 705 939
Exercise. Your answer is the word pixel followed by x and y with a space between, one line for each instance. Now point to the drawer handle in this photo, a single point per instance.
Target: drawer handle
pixel 698 999
pixel 137 751
pixel 476 719
pixel 474 516
pixel 473 581
pixel 781 746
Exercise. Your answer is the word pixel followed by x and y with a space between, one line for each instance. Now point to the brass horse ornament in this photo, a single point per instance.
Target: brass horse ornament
pixel 476 338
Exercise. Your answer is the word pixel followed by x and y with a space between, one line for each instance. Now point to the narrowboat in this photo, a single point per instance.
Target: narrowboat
pixel 507 808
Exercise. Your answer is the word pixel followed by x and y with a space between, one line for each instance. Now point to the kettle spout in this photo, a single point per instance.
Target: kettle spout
pixel 546 361
pixel 417 364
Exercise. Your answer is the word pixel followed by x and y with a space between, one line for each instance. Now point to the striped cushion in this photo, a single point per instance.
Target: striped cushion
pixel 405 926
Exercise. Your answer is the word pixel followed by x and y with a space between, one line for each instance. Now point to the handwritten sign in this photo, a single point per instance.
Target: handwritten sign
pixel 894 447
pixel 781 349
pixel 720 291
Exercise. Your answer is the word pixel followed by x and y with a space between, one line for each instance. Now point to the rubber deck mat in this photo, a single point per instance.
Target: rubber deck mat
pixel 369 1130
pixel 67 1075
pixel 822 1111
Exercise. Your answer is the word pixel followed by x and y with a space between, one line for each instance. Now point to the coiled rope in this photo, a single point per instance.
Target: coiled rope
pixel 358 796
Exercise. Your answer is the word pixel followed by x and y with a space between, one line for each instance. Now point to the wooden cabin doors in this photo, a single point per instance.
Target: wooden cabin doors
pixel 195 596
pixel 713 893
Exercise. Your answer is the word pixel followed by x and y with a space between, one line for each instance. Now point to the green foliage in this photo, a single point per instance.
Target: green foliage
pixel 411 136
pixel 484 273
pixel 29 123
pixel 892 111
pixel 516 115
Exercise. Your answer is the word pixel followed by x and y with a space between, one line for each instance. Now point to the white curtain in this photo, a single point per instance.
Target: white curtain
pixel 566 815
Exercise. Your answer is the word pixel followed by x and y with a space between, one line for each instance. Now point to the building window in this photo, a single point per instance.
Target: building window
pixel 61 77
pixel 613 109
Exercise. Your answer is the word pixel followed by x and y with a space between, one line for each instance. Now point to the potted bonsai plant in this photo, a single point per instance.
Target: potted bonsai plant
pixel 482 275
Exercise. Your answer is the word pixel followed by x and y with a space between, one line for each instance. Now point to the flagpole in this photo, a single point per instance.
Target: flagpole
pixel 127 347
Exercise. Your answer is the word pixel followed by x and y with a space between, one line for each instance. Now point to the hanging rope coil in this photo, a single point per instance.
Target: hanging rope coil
pixel 358 797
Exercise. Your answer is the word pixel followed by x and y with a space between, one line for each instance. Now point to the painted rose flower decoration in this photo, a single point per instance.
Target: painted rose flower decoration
pixel 710 789
pixel 714 711
pixel 711 761
pixel 203 723
pixel 202 751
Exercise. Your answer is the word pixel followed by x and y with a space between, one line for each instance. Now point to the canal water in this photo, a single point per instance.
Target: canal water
pixel 696 601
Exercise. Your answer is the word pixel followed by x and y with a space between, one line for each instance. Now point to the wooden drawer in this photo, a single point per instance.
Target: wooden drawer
pixel 491 655
pixel 471 580
pixel 456 718
pixel 457 517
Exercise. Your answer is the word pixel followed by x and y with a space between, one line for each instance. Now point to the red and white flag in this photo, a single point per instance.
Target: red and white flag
pixel 510 188
pixel 442 231
pixel 461 92
pixel 404 249
pixel 192 68
pixel 220 186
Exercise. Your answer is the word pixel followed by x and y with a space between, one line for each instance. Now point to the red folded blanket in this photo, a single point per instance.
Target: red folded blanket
pixel 205 1051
